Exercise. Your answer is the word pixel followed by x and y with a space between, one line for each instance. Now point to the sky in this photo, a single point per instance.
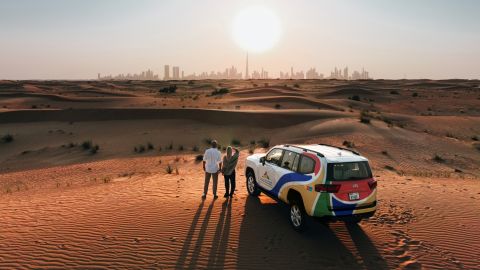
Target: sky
pixel 60 39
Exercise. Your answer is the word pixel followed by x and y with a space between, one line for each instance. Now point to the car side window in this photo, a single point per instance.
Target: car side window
pixel 274 156
pixel 306 166
pixel 290 161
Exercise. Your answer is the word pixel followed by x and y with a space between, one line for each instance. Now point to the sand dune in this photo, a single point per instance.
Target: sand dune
pixel 66 207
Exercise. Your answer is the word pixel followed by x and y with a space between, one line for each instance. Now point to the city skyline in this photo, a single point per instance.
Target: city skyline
pixel 233 74
pixel 53 39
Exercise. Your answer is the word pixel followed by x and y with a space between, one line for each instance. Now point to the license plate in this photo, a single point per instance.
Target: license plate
pixel 353 196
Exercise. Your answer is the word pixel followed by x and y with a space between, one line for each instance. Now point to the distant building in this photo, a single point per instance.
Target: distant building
pixel 176 73
pixel 166 72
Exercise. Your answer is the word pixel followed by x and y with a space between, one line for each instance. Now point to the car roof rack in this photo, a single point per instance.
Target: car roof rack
pixel 304 149
pixel 341 148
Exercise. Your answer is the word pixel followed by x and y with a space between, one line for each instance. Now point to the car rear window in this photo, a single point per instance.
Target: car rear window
pixel 306 166
pixel 345 171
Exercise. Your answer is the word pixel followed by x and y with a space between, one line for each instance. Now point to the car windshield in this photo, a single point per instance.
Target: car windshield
pixel 348 171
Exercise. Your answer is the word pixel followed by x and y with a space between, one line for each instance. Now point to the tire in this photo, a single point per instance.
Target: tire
pixel 297 215
pixel 252 187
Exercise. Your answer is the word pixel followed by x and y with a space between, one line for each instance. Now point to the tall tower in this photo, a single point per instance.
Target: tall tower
pixel 246 69
pixel 166 75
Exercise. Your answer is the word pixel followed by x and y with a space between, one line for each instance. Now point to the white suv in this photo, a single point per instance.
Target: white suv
pixel 316 180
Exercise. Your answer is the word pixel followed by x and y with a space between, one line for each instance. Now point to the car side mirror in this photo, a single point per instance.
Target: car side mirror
pixel 262 160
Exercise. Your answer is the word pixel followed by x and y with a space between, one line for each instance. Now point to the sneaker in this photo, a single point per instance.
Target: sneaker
pixel 204 196
pixel 215 196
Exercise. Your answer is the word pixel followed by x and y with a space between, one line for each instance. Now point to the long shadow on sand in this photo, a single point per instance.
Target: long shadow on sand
pixel 267 240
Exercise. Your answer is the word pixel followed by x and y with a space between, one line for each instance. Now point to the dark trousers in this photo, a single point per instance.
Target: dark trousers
pixel 230 183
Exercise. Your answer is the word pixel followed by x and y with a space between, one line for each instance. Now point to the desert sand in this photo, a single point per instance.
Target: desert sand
pixel 64 205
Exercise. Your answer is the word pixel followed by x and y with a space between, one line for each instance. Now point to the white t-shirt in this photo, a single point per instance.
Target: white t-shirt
pixel 212 158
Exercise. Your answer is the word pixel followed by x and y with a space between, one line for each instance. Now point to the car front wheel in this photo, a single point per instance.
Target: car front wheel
pixel 252 187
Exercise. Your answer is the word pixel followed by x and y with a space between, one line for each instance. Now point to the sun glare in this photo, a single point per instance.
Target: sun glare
pixel 256 29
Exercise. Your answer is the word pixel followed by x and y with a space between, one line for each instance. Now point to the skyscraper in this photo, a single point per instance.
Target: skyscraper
pixel 246 69
pixel 176 73
pixel 166 75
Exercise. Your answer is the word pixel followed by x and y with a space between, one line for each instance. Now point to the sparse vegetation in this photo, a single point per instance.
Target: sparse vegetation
pixel 236 142
pixel 355 97
pixel 139 149
pixel 475 138
pixel 7 138
pixel 86 145
pixel 150 146
pixel 169 89
pixel 394 92
pixel 180 148
pixel 252 142
pixel 364 120
pixel 438 158
pixel 191 82
pixel 169 169
pixel 94 149
pixel 220 91
pixel 195 148
pixel 208 141
pixel 170 146
pixel 390 168
pixel 278 106
pixel 385 153
pixel 415 94
pixel 296 85
pixel 348 144
pixel 199 158
pixel 264 143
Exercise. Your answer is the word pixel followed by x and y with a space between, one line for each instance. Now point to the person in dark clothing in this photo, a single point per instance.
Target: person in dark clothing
pixel 228 170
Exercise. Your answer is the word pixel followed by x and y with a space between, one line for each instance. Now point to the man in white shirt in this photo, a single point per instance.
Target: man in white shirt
pixel 212 164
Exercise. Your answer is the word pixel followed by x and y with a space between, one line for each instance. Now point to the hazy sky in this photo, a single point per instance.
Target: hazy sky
pixel 60 39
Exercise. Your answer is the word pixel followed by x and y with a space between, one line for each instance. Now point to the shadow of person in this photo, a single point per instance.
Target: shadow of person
pixel 267 240
pixel 217 255
pixel 190 236
pixel 366 248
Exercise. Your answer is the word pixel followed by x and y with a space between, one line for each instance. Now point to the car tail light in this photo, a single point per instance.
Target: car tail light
pixel 372 184
pixel 333 188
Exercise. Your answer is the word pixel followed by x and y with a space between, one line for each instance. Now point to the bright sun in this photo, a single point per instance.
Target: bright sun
pixel 256 29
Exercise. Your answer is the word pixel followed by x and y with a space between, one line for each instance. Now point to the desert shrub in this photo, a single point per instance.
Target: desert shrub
pixel 348 144
pixel 139 149
pixel 355 97
pixel 195 148
pixel 253 142
pixel 477 146
pixel 199 158
pixel 94 149
pixel 236 142
pixel 264 143
pixel 169 89
pixel 170 146
pixel 438 158
pixel 7 138
pixel 390 168
pixel 150 146
pixel 278 106
pixel 475 137
pixel 415 94
pixel 191 82
pixel 296 85
pixel 384 152
pixel 394 92
pixel 208 141
pixel 180 148
pixel 169 169
pixel 220 91
pixel 34 106
pixel 86 145
pixel 364 119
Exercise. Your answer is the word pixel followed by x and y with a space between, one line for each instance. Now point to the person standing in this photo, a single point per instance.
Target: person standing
pixel 212 164
pixel 228 171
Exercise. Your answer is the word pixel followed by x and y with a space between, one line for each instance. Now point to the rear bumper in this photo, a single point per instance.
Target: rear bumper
pixel 346 213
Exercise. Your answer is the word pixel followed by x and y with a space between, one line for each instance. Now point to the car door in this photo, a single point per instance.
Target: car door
pixel 268 173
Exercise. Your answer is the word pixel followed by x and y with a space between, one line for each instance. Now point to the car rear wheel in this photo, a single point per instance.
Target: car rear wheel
pixel 252 187
pixel 297 215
